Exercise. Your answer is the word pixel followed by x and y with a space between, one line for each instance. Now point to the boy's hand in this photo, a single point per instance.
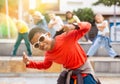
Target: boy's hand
pixel 68 27
pixel 65 28
pixel 25 58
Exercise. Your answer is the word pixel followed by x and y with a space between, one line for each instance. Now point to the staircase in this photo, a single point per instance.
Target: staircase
pixel 6 47
pixel 103 65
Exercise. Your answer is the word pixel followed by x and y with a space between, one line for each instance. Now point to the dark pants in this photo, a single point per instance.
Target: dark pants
pixel 22 36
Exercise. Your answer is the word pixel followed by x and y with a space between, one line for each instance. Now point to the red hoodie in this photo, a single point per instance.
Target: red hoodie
pixel 66 50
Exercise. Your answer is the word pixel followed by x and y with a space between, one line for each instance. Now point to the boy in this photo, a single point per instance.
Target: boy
pixel 63 49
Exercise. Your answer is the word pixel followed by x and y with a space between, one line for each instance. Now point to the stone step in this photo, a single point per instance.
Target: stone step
pixel 101 65
pixel 16 65
pixel 6 47
pixel 105 65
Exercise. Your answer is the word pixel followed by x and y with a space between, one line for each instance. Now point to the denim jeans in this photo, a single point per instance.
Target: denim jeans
pixel 86 80
pixel 101 41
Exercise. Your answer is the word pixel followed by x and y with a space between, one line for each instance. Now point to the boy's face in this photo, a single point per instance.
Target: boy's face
pixel 42 41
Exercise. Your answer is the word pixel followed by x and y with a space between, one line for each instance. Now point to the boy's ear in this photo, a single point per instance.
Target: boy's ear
pixel 48 33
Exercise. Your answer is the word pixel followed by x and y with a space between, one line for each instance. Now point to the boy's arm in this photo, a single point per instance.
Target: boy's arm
pixel 79 30
pixel 38 65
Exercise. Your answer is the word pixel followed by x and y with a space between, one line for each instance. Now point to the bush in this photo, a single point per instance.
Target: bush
pixel 85 14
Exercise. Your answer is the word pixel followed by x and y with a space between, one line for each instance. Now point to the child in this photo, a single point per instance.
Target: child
pixel 72 18
pixel 22 35
pixel 63 49
pixel 102 38
pixel 39 20
pixel 55 23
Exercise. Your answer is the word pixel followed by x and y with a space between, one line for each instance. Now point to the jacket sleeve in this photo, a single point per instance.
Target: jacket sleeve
pixel 76 34
pixel 39 65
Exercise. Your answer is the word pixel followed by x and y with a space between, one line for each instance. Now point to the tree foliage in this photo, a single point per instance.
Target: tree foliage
pixel 108 2
pixel 2 3
pixel 85 14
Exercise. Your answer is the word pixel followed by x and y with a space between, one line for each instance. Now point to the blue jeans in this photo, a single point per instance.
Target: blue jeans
pixel 101 41
pixel 89 80
pixel 86 80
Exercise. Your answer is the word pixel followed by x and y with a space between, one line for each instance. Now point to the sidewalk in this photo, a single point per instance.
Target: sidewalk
pixel 45 78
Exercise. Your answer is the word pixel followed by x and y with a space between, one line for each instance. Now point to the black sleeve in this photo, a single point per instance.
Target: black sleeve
pixel 76 26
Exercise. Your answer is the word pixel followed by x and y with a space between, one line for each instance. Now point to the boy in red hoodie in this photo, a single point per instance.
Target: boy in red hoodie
pixel 63 49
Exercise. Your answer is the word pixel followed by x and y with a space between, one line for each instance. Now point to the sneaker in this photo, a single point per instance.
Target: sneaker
pixel 12 54
pixel 117 56
pixel 87 55
pixel 89 41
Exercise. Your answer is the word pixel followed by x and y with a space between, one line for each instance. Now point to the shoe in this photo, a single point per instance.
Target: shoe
pixel 117 56
pixel 12 54
pixel 89 41
pixel 30 55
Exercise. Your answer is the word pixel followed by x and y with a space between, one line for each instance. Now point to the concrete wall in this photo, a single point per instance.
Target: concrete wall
pixel 100 65
pixel 7 47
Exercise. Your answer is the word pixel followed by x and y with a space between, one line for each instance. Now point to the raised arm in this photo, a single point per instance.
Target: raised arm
pixel 77 31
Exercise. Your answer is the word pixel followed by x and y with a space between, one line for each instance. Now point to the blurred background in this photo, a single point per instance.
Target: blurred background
pixel 12 69
pixel 85 10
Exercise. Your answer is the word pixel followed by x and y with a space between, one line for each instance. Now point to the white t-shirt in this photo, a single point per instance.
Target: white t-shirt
pixel 58 25
pixel 106 29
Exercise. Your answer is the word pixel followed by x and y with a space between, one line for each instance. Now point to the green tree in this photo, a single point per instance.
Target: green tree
pixel 108 2
pixel 85 14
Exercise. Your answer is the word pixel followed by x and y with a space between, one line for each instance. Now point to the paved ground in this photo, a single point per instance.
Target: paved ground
pixel 44 79
pixel 49 80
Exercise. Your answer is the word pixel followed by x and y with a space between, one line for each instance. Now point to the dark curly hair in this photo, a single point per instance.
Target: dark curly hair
pixel 35 30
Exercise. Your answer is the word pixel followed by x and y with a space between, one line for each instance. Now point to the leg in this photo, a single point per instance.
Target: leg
pixel 25 37
pixel 109 49
pixel 96 44
pixel 86 37
pixel 18 41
